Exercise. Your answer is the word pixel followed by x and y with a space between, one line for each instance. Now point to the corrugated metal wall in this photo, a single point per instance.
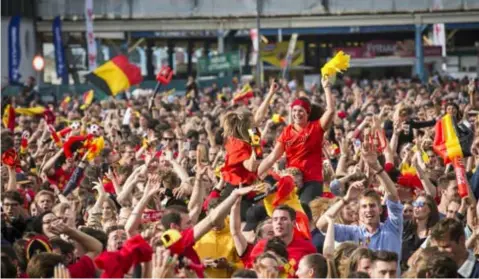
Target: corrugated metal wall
pixel 48 9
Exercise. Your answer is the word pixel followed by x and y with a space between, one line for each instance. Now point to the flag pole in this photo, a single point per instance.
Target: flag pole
pixel 164 77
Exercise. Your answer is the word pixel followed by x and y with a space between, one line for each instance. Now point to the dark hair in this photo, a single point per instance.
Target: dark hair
pixel 97 234
pixel 358 274
pixel 318 263
pixel 316 111
pixel 357 255
pixel 114 228
pixel 448 229
pixel 177 208
pixel 64 246
pixel 433 217
pixel 277 246
pixel 192 134
pixel 37 222
pixel 171 218
pixel 244 273
pixel 42 265
pixel 19 248
pixel 8 268
pixel 13 195
pixel 385 256
pixel 290 210
pixel 440 265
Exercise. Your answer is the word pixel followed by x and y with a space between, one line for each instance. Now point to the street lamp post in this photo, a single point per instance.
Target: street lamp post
pixel 259 4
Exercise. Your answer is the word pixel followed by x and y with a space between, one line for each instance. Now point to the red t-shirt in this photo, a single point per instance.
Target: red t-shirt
pixel 304 149
pixel 60 178
pixel 297 249
pixel 246 257
pixel 237 151
pixel 83 268
pixel 188 239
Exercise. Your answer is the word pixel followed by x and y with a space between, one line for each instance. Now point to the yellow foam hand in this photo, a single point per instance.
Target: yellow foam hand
pixel 338 64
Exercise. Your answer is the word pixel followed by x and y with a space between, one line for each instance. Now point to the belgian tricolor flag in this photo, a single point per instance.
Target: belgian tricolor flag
pixel 8 118
pixel 286 194
pixel 88 98
pixel 452 140
pixel 244 95
pixel 115 75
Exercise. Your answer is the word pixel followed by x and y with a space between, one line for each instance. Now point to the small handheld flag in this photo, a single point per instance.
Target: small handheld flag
pixel 8 118
pixel 244 95
pixel 277 118
pixel 88 98
pixel 163 77
pixel 255 136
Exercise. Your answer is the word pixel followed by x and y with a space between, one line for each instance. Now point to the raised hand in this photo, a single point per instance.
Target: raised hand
pixel 326 82
pixel 370 156
pixel 353 192
pixel 164 264
pixel 471 87
pixel 58 227
pixel 98 186
pixel 60 271
pixel 153 186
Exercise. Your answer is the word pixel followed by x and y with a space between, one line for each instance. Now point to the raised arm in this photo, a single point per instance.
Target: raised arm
pixel 92 246
pixel 263 108
pixel 129 185
pixel 12 179
pixel 152 188
pixel 426 182
pixel 342 168
pixel 269 161
pixel 471 88
pixel 371 159
pixel 353 192
pixel 241 244
pixel 220 212
pixel 51 162
pixel 195 203
pixel 328 248
pixel 328 115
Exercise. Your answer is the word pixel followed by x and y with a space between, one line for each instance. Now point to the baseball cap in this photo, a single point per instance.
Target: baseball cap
pixel 255 215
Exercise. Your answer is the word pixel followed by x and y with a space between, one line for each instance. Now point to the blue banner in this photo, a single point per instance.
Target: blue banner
pixel 60 62
pixel 14 51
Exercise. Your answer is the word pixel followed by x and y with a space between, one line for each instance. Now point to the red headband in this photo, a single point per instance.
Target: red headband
pixel 303 104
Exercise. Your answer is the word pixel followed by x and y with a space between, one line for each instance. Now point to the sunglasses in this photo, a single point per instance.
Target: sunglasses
pixel 169 139
pixel 418 204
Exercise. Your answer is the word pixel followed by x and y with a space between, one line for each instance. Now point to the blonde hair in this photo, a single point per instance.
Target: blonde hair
pixel 318 206
pixel 236 124
pixel 341 257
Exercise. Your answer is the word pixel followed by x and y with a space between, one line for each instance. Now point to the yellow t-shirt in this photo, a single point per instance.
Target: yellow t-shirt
pixel 218 244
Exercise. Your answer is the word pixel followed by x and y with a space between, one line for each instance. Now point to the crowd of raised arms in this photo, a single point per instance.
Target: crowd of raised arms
pixel 345 179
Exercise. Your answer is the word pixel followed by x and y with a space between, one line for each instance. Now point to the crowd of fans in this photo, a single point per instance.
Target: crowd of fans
pixel 180 191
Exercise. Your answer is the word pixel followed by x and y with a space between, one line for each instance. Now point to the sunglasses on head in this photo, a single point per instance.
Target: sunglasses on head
pixel 418 203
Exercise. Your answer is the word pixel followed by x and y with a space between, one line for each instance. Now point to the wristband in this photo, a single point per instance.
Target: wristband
pixel 379 172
